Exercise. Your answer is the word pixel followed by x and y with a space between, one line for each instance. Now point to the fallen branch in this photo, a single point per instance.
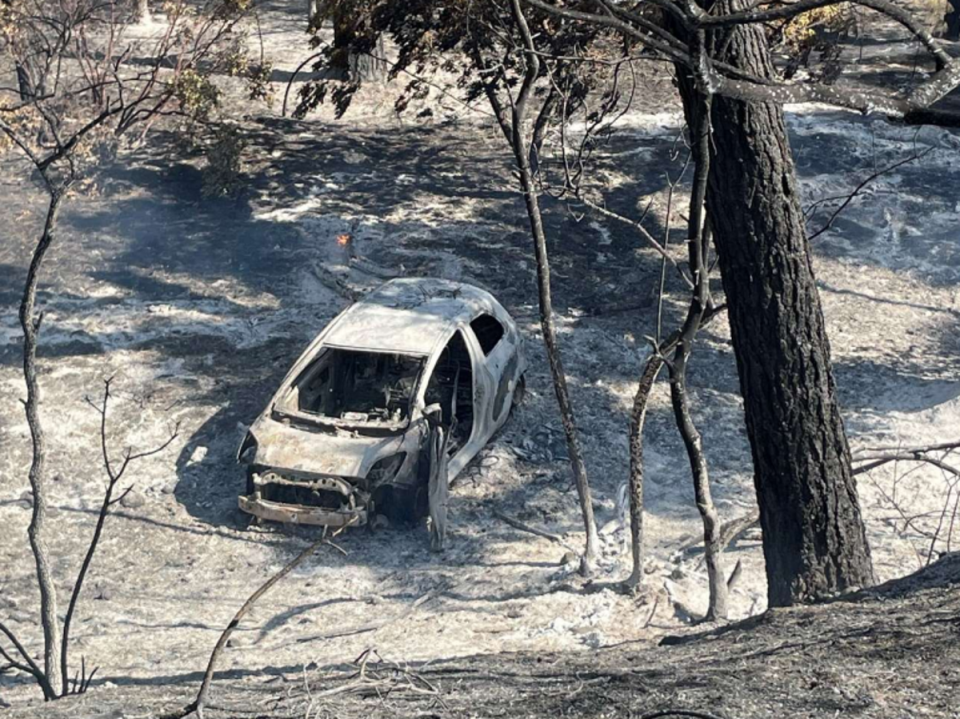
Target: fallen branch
pixel 371 627
pixel 735 575
pixel 679 713
pixel 735 527
pixel 369 268
pixel 729 531
pixel 379 678
pixel 517 524
pixel 334 283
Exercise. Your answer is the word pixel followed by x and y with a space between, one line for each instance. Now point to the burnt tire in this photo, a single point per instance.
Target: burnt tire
pixel 404 505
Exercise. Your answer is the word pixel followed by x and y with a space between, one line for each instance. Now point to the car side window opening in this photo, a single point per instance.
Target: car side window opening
pixel 358 386
pixel 489 332
pixel 451 386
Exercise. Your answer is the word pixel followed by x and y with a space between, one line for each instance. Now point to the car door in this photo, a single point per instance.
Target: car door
pixel 496 355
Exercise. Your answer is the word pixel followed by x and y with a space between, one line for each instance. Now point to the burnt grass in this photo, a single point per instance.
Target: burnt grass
pixel 892 651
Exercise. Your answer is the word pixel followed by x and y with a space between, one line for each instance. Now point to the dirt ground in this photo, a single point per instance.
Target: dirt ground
pixel 198 307
pixel 889 653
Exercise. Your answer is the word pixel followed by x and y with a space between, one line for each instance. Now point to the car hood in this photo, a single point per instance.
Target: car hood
pixel 339 453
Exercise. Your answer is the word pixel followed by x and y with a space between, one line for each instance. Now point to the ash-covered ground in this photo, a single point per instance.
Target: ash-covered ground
pixel 198 307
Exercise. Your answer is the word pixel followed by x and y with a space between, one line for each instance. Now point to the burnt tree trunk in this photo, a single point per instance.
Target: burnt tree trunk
pixel 814 541
pixel 952 21
pixel 142 12
pixel 369 65
pixel 30 323
pixel 523 152
pixel 24 83
pixel 699 302
pixel 638 417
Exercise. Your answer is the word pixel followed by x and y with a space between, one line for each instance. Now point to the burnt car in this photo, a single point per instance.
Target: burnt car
pixel 344 436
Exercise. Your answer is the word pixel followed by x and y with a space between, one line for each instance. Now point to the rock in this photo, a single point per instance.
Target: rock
pixel 26 499
pixel 198 455
pixel 133 500
pixel 594 640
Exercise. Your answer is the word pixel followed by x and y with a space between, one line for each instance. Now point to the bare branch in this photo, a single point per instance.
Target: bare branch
pixel 791 10
pixel 878 460
pixel 29 667
pixel 197 705
pixel 523 527
pixel 856 191
pixel 113 478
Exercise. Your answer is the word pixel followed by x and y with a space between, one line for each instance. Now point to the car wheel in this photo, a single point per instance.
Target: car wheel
pixel 249 522
pixel 403 505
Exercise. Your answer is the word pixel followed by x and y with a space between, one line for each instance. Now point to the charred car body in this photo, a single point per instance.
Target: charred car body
pixel 345 435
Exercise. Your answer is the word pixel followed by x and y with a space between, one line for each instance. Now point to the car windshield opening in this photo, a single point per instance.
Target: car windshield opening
pixel 356 386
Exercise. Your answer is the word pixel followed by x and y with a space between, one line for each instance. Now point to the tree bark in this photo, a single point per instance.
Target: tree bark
pixel 952 21
pixel 553 354
pixel 369 66
pixel 713 550
pixel 699 301
pixel 514 131
pixel 814 540
pixel 638 417
pixel 24 83
pixel 30 324
pixel 142 12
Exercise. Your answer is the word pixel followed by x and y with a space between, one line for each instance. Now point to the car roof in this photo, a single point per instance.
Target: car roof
pixel 410 315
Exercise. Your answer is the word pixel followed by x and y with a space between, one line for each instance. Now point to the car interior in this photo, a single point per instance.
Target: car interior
pixel 358 386
pixel 451 385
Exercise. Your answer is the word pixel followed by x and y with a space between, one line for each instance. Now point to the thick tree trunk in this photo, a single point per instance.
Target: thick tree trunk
pixel 142 12
pixel 369 66
pixel 813 535
pixel 30 323
pixel 952 21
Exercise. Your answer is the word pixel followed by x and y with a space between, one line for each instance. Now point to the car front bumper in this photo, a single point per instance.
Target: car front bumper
pixel 301 514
